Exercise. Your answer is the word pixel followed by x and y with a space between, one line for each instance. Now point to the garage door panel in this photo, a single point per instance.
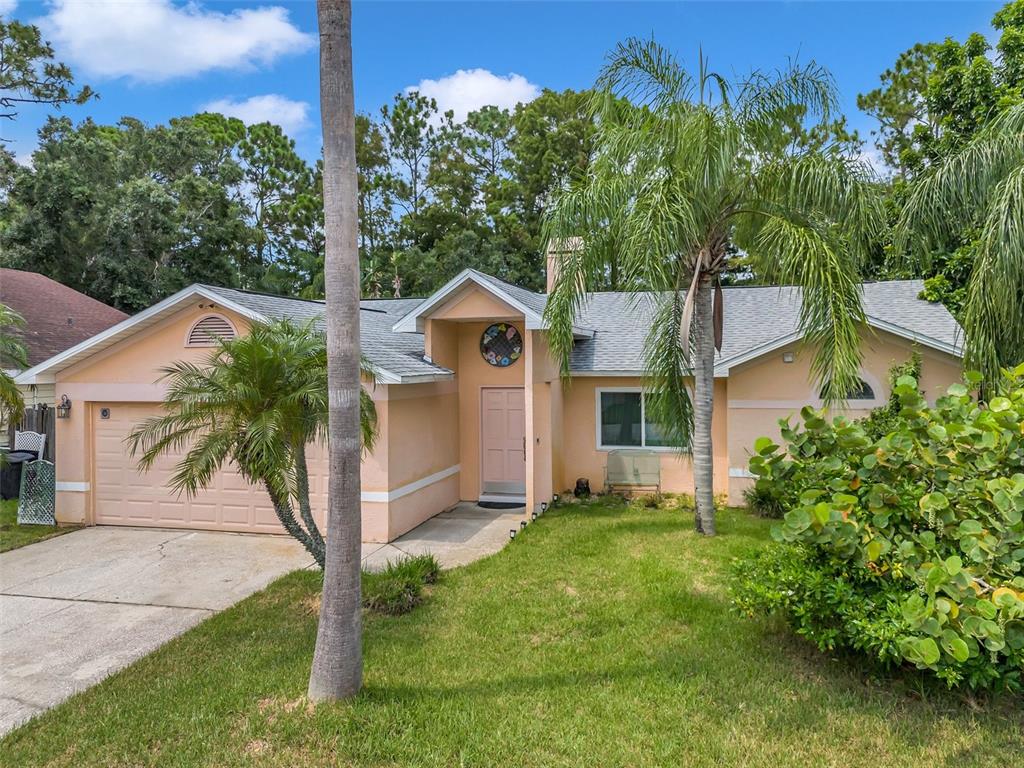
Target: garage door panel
pixel 125 496
pixel 266 517
pixel 173 511
pixel 237 515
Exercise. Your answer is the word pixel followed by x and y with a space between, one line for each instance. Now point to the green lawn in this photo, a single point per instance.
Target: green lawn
pixel 600 636
pixel 13 535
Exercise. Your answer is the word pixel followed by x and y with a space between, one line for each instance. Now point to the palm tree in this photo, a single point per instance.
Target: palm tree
pixel 979 187
pixel 337 670
pixel 256 401
pixel 684 173
pixel 12 355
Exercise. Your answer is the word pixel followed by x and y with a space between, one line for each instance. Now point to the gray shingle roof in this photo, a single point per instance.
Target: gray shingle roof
pixel 399 354
pixel 757 319
pixel 535 301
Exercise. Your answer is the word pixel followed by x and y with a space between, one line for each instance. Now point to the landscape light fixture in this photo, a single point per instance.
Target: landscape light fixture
pixel 512 533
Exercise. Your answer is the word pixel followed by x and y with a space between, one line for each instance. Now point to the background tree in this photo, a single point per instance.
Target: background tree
pixel 981 185
pixel 30 75
pixel 126 213
pixel 12 356
pixel 931 103
pixel 680 173
pixel 272 174
pixel 376 201
pixel 337 669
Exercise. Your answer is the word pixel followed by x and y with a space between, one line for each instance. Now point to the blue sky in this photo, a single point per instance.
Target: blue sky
pixel 156 59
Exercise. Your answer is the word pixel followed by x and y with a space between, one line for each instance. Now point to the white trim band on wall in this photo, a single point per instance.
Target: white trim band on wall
pixel 73 486
pixel 405 490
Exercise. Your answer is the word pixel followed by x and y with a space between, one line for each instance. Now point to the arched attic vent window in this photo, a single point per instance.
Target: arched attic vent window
pixel 208 329
pixel 862 391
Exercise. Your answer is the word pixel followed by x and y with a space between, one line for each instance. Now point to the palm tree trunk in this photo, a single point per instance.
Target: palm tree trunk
pixel 302 491
pixel 337 670
pixel 703 407
pixel 286 515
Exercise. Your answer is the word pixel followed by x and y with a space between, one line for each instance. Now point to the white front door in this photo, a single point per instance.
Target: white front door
pixel 503 440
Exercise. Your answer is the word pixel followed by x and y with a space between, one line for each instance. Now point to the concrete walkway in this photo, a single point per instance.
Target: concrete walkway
pixel 77 608
pixel 459 536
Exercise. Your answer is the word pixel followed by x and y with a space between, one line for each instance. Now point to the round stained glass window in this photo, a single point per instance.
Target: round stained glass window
pixel 501 345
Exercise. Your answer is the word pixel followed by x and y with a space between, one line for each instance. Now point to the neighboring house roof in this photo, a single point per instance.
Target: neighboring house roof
pixel 56 317
pixel 610 334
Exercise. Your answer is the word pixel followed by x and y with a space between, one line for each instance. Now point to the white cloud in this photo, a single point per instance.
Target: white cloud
pixel 470 89
pixel 873 158
pixel 8 6
pixel 291 115
pixel 156 40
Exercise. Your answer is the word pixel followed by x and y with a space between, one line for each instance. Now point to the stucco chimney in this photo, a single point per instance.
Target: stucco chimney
pixel 555 249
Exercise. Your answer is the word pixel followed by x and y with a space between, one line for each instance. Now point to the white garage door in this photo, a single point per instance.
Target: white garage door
pixel 124 496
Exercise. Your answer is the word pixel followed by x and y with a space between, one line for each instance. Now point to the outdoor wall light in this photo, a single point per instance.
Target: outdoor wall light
pixel 64 408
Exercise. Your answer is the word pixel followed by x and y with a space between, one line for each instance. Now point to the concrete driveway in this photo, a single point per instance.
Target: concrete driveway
pixel 76 608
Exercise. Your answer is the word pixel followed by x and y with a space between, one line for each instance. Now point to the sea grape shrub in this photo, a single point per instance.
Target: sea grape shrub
pixel 909 548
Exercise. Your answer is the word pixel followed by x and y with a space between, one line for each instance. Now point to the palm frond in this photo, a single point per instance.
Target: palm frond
pixel 992 311
pixel 667 398
pixel 831 313
pixel 645 73
pixel 808 88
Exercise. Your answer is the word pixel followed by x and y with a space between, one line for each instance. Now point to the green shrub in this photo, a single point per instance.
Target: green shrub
pixel 398 588
pixel 422 568
pixel 910 547
pixel 764 500
pixel 884 419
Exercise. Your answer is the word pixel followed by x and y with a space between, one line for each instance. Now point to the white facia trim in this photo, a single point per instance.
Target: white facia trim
pixel 44 372
pixel 30 376
pixel 72 486
pixel 397 493
pixel 928 341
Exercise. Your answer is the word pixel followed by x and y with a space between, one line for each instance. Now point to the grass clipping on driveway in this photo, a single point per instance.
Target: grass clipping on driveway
pixel 601 636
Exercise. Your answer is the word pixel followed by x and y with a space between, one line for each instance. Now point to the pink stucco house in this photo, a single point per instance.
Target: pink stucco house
pixel 470 401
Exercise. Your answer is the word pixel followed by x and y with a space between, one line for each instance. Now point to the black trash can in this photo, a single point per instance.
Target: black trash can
pixel 10 472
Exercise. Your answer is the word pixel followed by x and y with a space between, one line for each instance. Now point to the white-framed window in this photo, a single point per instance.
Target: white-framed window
pixel 208 329
pixel 623 421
